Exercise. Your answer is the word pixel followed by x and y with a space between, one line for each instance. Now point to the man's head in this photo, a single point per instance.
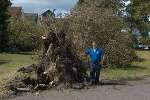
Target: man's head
pixel 94 44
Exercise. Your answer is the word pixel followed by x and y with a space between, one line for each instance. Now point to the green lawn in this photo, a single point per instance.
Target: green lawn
pixel 137 69
pixel 9 63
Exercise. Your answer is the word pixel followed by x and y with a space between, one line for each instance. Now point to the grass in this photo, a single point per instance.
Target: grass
pixel 137 69
pixel 9 63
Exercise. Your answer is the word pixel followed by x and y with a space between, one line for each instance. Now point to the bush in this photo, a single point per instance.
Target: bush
pixel 24 34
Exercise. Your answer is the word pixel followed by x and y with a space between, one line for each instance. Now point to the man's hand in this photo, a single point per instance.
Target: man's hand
pixel 101 63
pixel 83 54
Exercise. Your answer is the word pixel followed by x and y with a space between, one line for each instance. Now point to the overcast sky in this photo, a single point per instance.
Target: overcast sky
pixel 38 6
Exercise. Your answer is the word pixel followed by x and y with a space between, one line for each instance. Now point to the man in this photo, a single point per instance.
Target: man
pixel 96 61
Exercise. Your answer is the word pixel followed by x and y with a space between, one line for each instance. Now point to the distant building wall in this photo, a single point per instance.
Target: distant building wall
pixel 33 17
pixel 15 12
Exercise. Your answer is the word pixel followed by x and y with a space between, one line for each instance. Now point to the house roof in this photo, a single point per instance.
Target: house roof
pixel 47 13
pixel 15 8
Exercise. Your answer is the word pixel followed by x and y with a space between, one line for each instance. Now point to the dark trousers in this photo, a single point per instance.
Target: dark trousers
pixel 95 74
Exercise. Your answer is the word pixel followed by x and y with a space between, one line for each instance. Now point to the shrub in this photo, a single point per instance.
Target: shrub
pixel 24 35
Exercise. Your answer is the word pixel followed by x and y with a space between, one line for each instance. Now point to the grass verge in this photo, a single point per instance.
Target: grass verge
pixel 137 69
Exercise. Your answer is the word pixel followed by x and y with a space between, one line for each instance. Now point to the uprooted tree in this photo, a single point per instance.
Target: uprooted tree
pixel 98 20
pixel 61 60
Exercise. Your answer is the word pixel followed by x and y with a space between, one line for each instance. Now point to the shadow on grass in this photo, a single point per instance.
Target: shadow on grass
pixel 22 53
pixel 4 62
pixel 134 67
pixel 112 82
pixel 129 68
pixel 140 60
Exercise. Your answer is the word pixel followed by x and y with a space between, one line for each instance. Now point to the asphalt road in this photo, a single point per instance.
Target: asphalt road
pixel 130 90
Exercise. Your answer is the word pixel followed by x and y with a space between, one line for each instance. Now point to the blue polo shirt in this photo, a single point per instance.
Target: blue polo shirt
pixel 95 54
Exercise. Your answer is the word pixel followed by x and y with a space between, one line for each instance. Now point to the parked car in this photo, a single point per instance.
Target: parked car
pixel 146 48
pixel 140 46
pixel 143 47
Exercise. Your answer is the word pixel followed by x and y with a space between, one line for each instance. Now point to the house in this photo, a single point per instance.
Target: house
pixel 18 12
pixel 15 12
pixel 45 16
pixel 33 17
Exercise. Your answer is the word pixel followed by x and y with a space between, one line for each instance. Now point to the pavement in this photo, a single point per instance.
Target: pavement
pixel 129 90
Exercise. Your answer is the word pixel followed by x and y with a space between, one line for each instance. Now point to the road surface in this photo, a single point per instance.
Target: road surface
pixel 130 90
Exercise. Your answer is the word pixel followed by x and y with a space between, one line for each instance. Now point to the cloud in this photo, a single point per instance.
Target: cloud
pixel 41 5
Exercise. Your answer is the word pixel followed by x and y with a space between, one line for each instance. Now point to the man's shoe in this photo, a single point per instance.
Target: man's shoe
pixel 98 83
pixel 92 83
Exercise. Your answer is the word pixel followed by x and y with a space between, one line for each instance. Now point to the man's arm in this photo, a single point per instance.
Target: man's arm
pixel 102 61
pixel 102 57
pixel 87 51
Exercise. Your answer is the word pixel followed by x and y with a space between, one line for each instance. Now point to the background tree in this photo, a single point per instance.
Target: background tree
pixel 24 35
pixel 4 4
pixel 139 11
pixel 145 40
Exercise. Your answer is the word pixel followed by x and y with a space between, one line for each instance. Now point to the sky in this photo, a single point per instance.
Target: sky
pixel 39 6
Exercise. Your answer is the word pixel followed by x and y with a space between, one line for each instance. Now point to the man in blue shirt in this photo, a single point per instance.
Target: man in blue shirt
pixel 96 56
